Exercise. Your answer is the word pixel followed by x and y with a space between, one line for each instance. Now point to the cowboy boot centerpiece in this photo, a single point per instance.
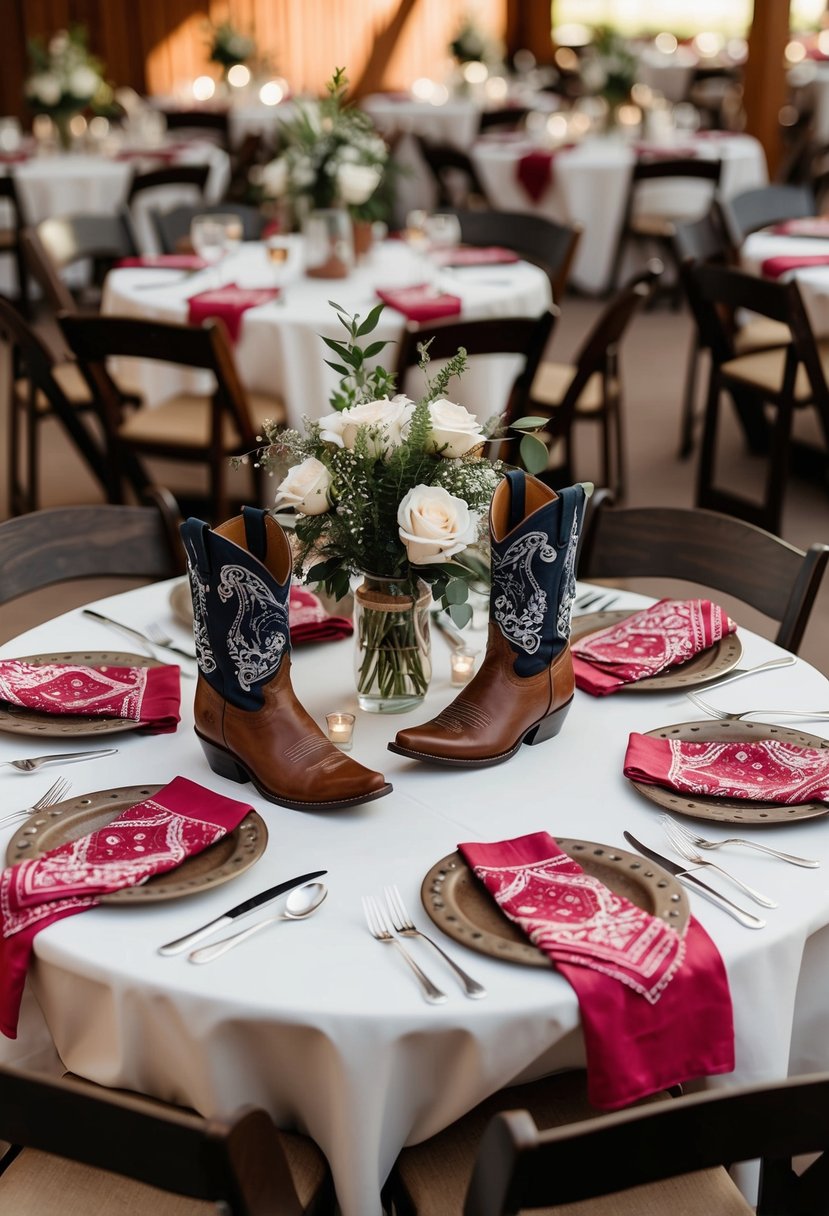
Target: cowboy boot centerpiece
pixel 524 688
pixel 247 716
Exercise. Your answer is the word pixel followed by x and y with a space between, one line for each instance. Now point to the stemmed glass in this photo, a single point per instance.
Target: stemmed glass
pixel 208 236
pixel 443 232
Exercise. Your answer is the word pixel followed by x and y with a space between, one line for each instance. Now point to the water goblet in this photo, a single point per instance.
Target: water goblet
pixel 208 236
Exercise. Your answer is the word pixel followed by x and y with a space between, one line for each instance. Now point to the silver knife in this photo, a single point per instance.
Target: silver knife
pixel 255 901
pixel 136 633
pixel 745 918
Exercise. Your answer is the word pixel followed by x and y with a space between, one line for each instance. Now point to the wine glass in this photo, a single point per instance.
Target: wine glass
pixel 208 236
pixel 444 233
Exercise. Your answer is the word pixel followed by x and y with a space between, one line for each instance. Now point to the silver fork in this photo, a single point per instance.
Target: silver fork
pixel 379 929
pixel 700 842
pixel 159 638
pixel 725 716
pixel 404 925
pixel 680 846
pixel 55 793
pixel 35 762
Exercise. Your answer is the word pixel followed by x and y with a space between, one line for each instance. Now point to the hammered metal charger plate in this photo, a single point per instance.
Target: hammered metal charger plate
pixel 222 861
pixel 181 602
pixel 19 721
pixel 460 906
pixel 710 664
pixel 732 810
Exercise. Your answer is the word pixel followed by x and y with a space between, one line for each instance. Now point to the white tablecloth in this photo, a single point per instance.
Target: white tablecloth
pixel 321 1024
pixel 280 349
pixel 590 184
pixel 813 281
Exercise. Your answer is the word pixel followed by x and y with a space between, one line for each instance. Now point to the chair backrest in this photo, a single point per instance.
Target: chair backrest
pixel 76 238
pixel 753 209
pixel 170 175
pixel 507 118
pixel 215 124
pixel 703 168
pixel 454 174
pixel 713 550
pixel 8 191
pixel 520 1168
pixel 238 1162
pixel 546 243
pixel 56 293
pixel 57 545
pixel 703 240
pixel 172 227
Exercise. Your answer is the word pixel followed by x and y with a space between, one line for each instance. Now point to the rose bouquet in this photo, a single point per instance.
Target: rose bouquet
pixel 608 68
pixel 64 78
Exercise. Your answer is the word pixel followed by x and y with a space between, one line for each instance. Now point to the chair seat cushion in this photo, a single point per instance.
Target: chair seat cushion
pixel 71 381
pixel 764 369
pixel 552 381
pixel 654 225
pixel 184 422
pixel 436 1173
pixel 761 332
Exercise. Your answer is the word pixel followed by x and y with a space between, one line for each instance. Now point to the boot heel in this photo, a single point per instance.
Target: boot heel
pixel 548 727
pixel 223 763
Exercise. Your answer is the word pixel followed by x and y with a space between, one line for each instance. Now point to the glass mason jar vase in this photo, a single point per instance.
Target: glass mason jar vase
pixel 393 658
pixel 329 243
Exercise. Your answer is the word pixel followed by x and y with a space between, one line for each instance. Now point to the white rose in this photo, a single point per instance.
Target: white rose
pixel 83 82
pixel 274 177
pixel 385 417
pixel 306 488
pixel 434 525
pixel 46 88
pixel 357 183
pixel 454 430
pixel 58 44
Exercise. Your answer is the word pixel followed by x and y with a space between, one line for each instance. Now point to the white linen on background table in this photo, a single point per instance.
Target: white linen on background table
pixel 280 350
pixel 813 281
pixel 319 1023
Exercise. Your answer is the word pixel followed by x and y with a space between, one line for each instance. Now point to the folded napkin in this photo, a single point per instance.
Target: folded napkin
pixel 149 695
pixel 421 303
pixel 655 1007
pixel 534 172
pixel 762 770
pixel 775 268
pixel 647 643
pixel 646 151
pixel 474 255
pixel 14 158
pixel 228 304
pixel 165 261
pixel 807 225
pixel 309 621
pixel 150 838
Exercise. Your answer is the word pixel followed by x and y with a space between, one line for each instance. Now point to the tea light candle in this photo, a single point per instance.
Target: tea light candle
pixel 463 666
pixel 341 729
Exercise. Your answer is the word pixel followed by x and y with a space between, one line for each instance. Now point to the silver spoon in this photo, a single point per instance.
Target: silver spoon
pixel 299 904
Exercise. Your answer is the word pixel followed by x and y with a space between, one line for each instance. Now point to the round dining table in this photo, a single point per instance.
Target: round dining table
pixel 321 1024
pixel 813 281
pixel 280 350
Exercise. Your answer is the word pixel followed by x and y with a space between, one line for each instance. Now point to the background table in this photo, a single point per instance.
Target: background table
pixel 324 1026
pixel 280 350
pixel 813 281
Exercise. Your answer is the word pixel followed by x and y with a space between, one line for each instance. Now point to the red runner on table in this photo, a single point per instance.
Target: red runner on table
pixel 309 622
pixel 474 255
pixel 808 225
pixel 149 695
pixel 164 261
pixel 421 302
pixel 647 643
pixel 655 1007
pixel 763 770
pixel 150 838
pixel 228 304
pixel 775 268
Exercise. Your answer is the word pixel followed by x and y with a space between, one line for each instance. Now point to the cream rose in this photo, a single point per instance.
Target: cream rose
pixel 454 430
pixel 306 488
pixel 273 177
pixel 357 183
pixel 83 82
pixel 434 525
pixel 385 417
pixel 45 88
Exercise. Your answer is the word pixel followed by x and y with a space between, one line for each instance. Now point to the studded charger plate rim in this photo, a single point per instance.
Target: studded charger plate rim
pixel 460 906
pixel 221 862
pixel 732 810
pixel 704 667
pixel 20 721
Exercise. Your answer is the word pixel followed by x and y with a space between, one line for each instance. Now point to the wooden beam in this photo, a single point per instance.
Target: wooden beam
pixel 765 76
pixel 528 28
pixel 371 77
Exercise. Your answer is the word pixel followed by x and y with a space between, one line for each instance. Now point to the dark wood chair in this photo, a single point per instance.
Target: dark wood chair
pixel 716 551
pixel 10 240
pixel 546 243
pixel 643 229
pixel 62 544
pixel 506 118
pixel 203 124
pixel 82 1148
pixel 589 390
pixel 751 210
pixel 201 429
pixel 170 175
pixel 454 175
pixel 668 1157
pixel 788 378
pixel 173 227
pixel 98 241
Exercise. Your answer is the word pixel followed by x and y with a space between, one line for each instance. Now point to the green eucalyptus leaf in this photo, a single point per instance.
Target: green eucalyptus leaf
pixel 371 320
pixel 457 591
pixel 461 614
pixel 533 454
pixel 374 348
pixel 338 368
pixel 523 424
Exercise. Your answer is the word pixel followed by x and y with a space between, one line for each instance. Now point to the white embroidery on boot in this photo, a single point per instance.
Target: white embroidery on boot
pixel 258 637
pixel 521 606
pixel 198 591
pixel 568 583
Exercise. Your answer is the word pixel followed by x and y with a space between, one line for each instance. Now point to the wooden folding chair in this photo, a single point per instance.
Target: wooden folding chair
pixel 545 243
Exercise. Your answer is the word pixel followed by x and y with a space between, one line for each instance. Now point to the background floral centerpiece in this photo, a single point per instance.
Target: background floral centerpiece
pixel 64 78
pixel 608 68
pixel 228 46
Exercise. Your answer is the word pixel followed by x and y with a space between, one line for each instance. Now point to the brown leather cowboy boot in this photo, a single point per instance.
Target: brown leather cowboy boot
pixel 249 721
pixel 525 685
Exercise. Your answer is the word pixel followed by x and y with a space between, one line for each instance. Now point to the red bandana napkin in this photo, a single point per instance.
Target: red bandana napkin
pixel 421 303
pixel 655 1008
pixel 165 261
pixel 229 304
pixel 14 158
pixel 647 643
pixel 150 695
pixel 150 838
pixel 809 225
pixel 309 622
pixel 763 770
pixel 646 151
pixel 534 172
pixel 775 268
pixel 474 255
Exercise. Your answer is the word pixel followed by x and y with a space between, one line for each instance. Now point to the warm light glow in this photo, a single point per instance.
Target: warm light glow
pixel 795 52
pixel 580 123
pixel 496 88
pixel 341 729
pixel 99 127
pixel 566 59
pixel 271 93
pixel 42 127
pixel 440 95
pixel 203 88
pixel 708 44
pixel 642 94
pixel 557 126
pixel 823 42
pixel 475 72
pixel 573 34
pixel 423 88
pixel 629 116
pixel 666 43
pixel 238 76
pixel 737 49
pixel 463 666
pixel 77 125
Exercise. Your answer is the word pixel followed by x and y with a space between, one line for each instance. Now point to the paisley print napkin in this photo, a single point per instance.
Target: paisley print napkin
pixel 149 695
